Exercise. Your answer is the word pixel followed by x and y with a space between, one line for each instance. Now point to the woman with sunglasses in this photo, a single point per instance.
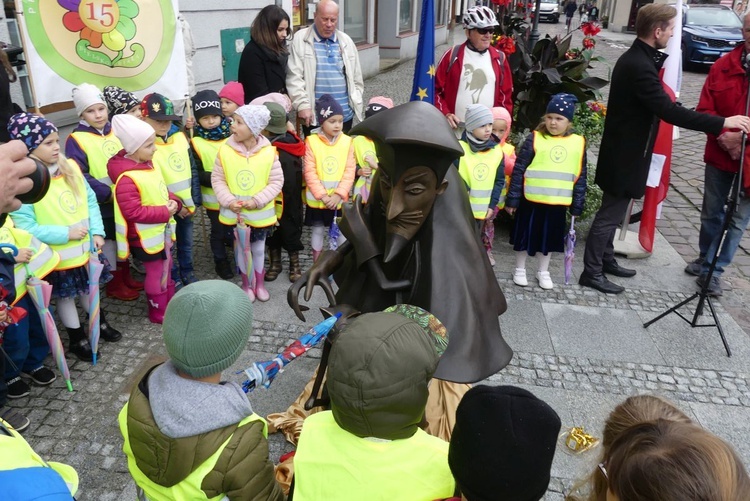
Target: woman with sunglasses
pixel 263 63
pixel 474 71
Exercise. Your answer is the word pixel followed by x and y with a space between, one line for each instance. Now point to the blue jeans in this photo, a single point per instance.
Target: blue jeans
pixel 718 184
pixel 25 343
pixel 184 263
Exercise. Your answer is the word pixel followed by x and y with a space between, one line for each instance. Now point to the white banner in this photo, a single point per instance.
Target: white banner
pixel 133 44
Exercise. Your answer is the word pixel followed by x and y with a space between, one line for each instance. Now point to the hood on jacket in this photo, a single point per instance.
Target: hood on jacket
pixel 377 376
pixel 119 164
pixel 291 143
pixel 240 148
pixel 83 126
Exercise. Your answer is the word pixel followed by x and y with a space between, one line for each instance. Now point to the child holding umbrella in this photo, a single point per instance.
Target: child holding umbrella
pixel 549 177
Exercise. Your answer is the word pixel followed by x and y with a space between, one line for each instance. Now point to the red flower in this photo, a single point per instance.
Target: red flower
pixel 588 43
pixel 506 45
pixel 590 29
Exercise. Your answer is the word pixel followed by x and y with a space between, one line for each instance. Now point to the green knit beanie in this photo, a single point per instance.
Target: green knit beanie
pixel 206 327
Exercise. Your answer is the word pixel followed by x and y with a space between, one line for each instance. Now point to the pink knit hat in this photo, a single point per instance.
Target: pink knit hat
pixel 500 113
pixel 274 97
pixel 131 131
pixel 234 92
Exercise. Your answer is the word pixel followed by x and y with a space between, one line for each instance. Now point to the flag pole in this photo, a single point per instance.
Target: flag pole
pixel 19 21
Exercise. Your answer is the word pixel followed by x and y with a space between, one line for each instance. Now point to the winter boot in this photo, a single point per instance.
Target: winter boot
pixel 117 289
pixel 79 345
pixel 260 287
pixel 224 269
pixel 248 288
pixel 157 305
pixel 295 272
pixel 130 282
pixel 274 267
pixel 316 254
pixel 106 331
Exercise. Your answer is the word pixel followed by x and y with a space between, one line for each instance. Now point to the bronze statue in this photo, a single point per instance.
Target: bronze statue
pixel 415 242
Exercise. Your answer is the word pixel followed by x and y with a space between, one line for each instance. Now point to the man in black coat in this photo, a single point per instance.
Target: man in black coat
pixel 637 102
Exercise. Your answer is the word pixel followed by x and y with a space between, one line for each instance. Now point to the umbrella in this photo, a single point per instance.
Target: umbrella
pixel 263 373
pixel 167 262
pixel 95 272
pixel 333 233
pixel 570 249
pixel 242 254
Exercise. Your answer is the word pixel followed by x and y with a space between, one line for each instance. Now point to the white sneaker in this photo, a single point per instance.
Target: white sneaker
pixel 492 258
pixel 519 277
pixel 545 282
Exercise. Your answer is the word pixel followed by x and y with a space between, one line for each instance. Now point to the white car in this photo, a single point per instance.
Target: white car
pixel 549 10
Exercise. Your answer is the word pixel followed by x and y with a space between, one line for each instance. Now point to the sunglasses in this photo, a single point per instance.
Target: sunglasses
pixel 484 31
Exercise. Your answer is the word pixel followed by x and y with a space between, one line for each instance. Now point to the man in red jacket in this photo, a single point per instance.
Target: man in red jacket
pixel 473 72
pixel 724 94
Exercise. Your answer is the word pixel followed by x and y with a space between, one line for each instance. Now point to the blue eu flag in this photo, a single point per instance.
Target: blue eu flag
pixel 424 71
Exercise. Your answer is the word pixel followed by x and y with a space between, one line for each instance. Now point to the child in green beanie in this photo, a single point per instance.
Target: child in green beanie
pixel 187 434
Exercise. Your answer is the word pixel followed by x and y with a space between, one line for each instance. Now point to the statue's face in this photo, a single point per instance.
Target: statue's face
pixel 407 205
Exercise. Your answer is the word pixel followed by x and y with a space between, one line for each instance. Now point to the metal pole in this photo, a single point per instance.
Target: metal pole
pixel 534 36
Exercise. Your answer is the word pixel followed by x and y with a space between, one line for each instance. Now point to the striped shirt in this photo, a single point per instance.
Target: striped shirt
pixel 330 75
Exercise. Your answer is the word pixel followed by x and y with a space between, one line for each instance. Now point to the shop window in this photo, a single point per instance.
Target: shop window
pixel 405 16
pixel 355 20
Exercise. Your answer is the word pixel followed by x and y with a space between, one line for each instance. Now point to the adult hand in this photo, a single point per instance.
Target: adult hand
pixel 14 167
pixel 77 233
pixel 305 116
pixel 24 255
pixel 235 206
pixel 453 120
pixel 98 242
pixel 737 122
pixel 731 142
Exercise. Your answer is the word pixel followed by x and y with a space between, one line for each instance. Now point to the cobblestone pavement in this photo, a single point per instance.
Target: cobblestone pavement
pixel 80 428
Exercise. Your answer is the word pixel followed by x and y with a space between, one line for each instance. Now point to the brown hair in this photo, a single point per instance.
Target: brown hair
pixel 652 16
pixel 542 127
pixel 8 67
pixel 670 461
pixel 634 410
pixel 263 29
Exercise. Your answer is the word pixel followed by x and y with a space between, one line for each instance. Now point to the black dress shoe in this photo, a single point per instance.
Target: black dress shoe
pixel 612 268
pixel 109 333
pixel 600 283
pixel 82 350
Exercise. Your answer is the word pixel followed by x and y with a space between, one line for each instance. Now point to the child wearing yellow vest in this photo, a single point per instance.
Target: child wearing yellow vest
pixel 68 220
pixel 210 133
pixel 173 159
pixel 24 342
pixel 91 145
pixel 144 210
pixel 549 177
pixel 247 178
pixel 364 150
pixel 328 170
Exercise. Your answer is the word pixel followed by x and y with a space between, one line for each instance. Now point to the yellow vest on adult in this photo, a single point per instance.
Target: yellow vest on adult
pixel 17 453
pixel 364 147
pixel 172 160
pixel 207 152
pixel 154 193
pixel 62 207
pixel 508 149
pixel 42 262
pixel 332 464
pixel 553 172
pixel 190 487
pixel 478 170
pixel 245 177
pixel 330 164
pixel 99 148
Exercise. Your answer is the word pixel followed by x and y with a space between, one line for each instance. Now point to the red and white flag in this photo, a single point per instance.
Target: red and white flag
pixel 657 184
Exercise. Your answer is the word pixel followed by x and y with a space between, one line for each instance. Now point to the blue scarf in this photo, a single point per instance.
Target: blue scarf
pixel 215 134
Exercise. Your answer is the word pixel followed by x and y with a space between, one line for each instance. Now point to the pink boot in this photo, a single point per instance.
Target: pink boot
pixel 260 287
pixel 248 288
pixel 157 305
pixel 316 255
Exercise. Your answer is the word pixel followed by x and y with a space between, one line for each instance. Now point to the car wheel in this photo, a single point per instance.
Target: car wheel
pixel 556 19
pixel 686 64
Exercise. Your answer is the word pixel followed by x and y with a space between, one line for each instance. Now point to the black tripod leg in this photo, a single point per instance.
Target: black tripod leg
pixel 671 310
pixel 718 326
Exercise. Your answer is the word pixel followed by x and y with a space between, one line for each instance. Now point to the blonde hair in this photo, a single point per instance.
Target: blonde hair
pixel 70 173
pixel 652 16
pixel 633 411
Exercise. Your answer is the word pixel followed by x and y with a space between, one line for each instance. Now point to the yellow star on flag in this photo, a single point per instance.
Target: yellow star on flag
pixel 431 71
pixel 422 93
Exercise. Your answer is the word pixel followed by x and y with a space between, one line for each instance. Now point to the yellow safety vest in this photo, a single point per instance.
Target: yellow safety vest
pixel 152 235
pixel 172 160
pixel 330 164
pixel 99 149
pixel 42 263
pixel 553 172
pixel 478 170
pixel 207 152
pixel 332 464
pixel 190 486
pixel 363 147
pixel 245 177
pixel 61 207
pixel 17 453
pixel 509 150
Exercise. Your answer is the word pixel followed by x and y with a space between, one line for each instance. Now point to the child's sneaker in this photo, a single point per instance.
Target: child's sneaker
pixel 17 387
pixel 15 419
pixel 41 376
pixel 492 258
pixel 545 281
pixel 519 277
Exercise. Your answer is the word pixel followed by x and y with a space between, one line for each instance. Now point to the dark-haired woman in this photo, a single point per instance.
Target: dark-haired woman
pixel 263 62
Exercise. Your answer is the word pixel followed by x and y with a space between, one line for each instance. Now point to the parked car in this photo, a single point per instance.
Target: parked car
pixel 708 32
pixel 549 10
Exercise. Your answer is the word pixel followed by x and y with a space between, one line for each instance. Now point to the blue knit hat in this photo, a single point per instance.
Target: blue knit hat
pixel 29 128
pixel 327 107
pixel 563 104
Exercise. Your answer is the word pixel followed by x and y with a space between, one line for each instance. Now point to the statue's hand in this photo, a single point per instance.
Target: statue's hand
pixel 316 275
pixel 354 227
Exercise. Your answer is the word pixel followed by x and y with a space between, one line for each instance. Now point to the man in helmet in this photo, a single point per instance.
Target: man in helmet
pixel 473 72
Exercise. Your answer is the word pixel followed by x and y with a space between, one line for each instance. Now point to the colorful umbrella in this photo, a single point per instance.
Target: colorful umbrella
pixel 333 233
pixel 95 272
pixel 570 250
pixel 263 373
pixel 242 254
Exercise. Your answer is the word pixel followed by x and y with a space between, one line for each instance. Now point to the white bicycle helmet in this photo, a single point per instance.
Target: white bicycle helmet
pixel 479 17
